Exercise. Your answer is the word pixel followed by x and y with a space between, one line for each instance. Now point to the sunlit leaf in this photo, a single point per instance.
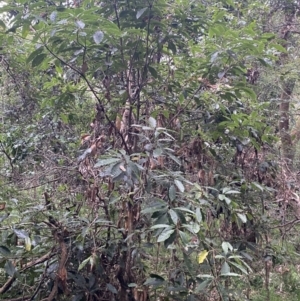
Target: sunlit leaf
pixel 27 244
pixel 202 256
pixel 242 217
pixel 98 36
pixel 140 12
pixel 84 263
pixel 198 215
pixel 165 235
pixel 21 233
pixel 174 216
pixel 179 185
pixel 80 24
pixel 152 122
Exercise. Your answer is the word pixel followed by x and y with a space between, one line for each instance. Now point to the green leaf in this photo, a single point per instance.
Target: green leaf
pixel 242 217
pixel 155 282
pixel 194 228
pixel 279 47
pixel 153 71
pixel 179 185
pixel 84 263
pixel 174 216
pixel 140 12
pixel 226 246
pixel 198 215
pixel 98 37
pixel 25 30
pixel 172 193
pixel 225 268
pixel 9 268
pixel 184 237
pixel 185 209
pixel 21 234
pixel 2 24
pixel 5 251
pixel 239 267
pixel 111 288
pixel 161 226
pixel 105 162
pixel 203 285
pixel 38 60
pixel 152 122
pixel 165 235
pixel 34 54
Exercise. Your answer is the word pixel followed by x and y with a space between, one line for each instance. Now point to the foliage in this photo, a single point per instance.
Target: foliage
pixel 137 159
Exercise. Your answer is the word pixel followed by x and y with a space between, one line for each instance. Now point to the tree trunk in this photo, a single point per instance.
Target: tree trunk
pixel 287 147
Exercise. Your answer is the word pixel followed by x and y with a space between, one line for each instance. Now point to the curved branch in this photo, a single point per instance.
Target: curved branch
pixel 81 74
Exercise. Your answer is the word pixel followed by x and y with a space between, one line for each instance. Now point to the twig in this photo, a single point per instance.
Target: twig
pixel 19 299
pixel 30 264
pixel 94 93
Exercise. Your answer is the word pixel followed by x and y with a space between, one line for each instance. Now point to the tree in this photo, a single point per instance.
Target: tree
pixel 135 131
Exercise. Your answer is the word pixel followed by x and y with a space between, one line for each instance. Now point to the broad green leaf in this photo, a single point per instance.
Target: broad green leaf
pixel 242 217
pixel 25 30
pixel 174 216
pixel 198 215
pixel 105 162
pixel 226 246
pixel 34 54
pixel 21 233
pixel 172 193
pixel 184 237
pixel 38 59
pixel 5 251
pixel 225 268
pixel 179 185
pixel 140 12
pixel 194 228
pixel 111 288
pixel 9 268
pixel 153 71
pixel 239 267
pixel 203 285
pixel 165 235
pixel 202 256
pixel 152 122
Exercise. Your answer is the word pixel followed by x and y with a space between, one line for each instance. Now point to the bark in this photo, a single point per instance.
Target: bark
pixel 288 150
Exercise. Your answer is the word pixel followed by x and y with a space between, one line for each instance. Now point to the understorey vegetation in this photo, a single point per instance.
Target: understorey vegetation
pixel 148 150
